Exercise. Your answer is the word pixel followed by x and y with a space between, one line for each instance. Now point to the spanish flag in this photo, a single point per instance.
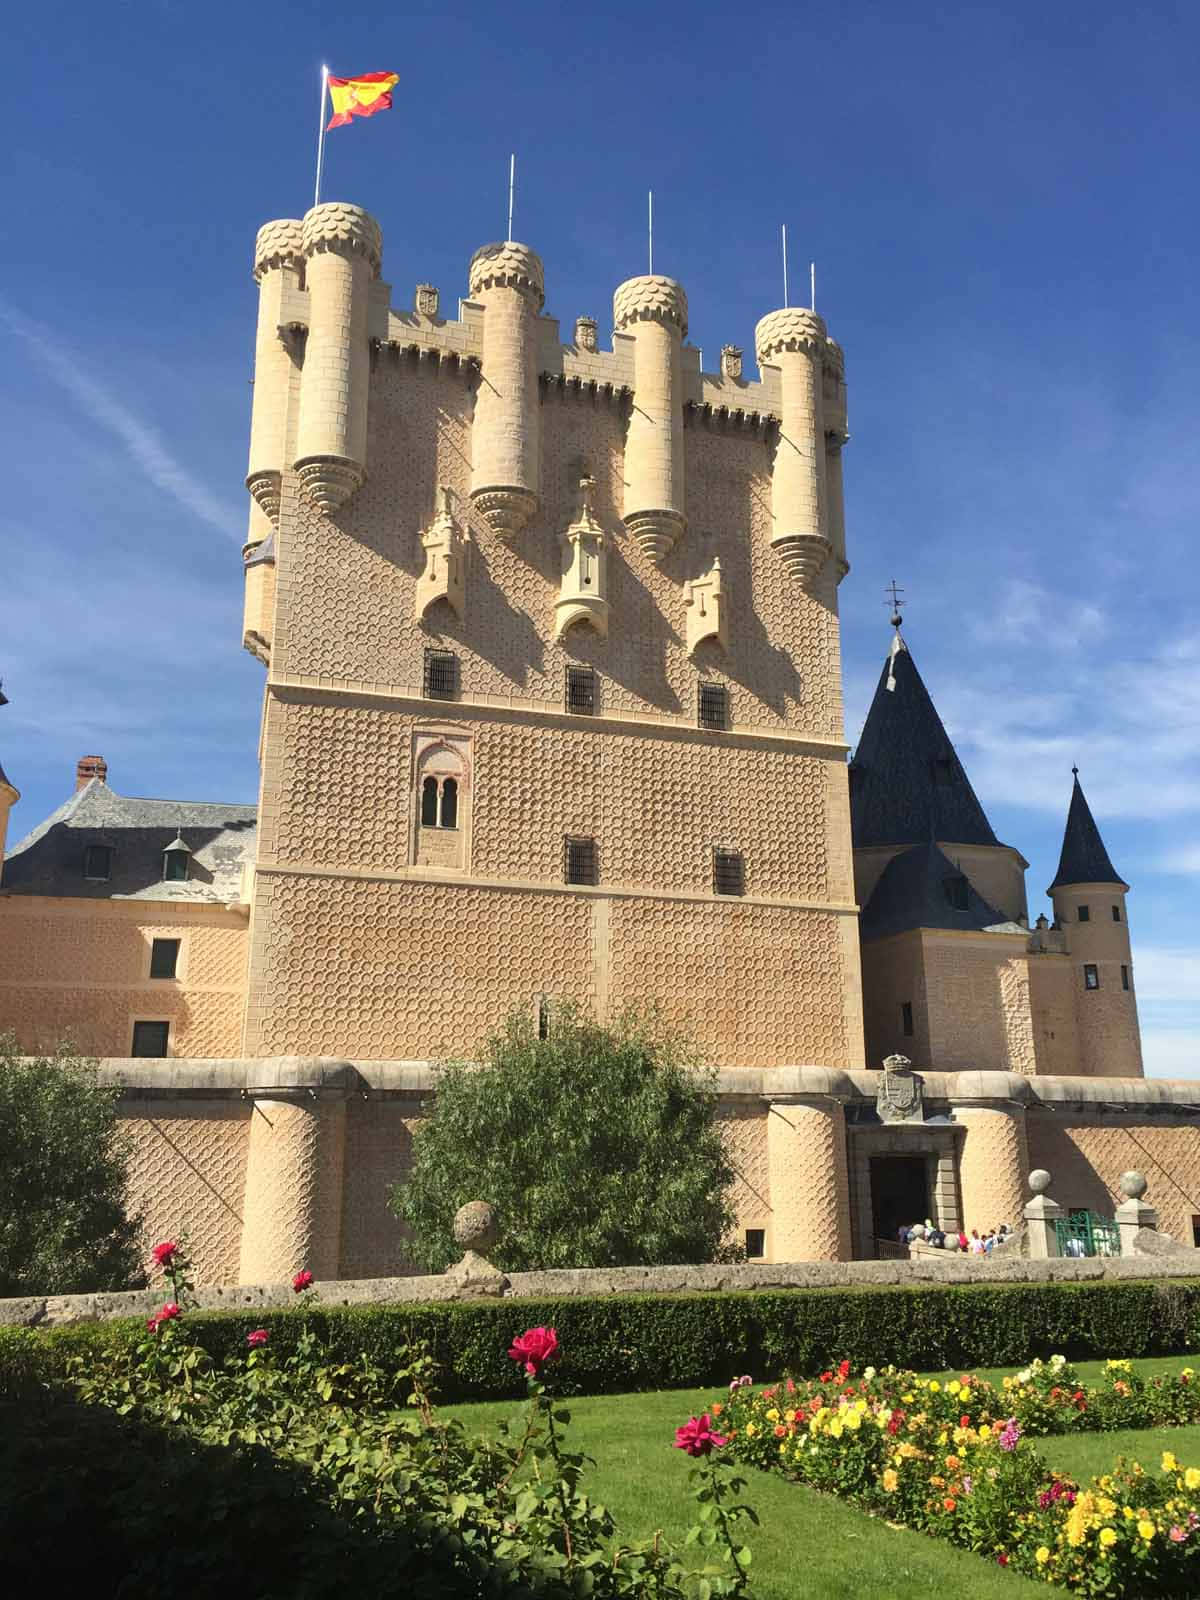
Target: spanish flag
pixel 360 97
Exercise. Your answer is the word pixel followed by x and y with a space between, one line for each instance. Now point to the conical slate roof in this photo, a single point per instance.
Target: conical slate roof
pixel 907 785
pixel 912 892
pixel 1084 858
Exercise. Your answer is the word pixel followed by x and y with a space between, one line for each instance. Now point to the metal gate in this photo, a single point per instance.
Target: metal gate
pixel 1086 1233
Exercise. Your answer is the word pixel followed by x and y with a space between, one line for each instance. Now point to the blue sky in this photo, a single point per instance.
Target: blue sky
pixel 1001 205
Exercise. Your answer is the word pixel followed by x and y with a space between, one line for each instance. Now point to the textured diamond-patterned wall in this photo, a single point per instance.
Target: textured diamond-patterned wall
pixel 1085 1160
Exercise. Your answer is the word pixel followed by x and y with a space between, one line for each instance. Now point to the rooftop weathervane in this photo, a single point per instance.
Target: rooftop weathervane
pixel 894 599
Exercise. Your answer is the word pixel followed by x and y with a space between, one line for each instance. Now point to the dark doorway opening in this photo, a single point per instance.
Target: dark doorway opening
pixel 899 1194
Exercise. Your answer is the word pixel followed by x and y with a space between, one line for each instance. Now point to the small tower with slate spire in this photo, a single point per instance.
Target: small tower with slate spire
pixel 8 797
pixel 1089 903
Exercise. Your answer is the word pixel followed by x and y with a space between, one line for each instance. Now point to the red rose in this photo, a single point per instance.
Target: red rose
pixel 1002 1559
pixel 964 1421
pixel 168 1314
pixel 164 1253
pixel 843 1370
pixel 301 1282
pixel 534 1348
pixel 697 1437
pixel 257 1338
pixel 826 1376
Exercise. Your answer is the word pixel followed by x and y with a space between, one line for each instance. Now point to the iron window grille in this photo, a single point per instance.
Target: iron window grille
pixel 441 675
pixel 729 872
pixel 164 958
pixel 579 863
pixel 712 705
pixel 581 691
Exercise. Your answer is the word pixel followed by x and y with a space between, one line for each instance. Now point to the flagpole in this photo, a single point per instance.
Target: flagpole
pixel 812 285
pixel 650 219
pixel 783 232
pixel 321 134
pixel 512 182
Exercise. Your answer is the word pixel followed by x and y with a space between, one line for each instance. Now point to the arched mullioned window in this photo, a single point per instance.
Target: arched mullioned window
pixel 429 803
pixel 448 817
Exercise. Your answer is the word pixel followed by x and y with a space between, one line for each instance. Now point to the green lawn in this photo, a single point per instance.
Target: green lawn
pixel 807 1544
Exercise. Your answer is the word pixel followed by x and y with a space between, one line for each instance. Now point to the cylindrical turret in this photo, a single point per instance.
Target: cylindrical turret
pixel 506 437
pixel 8 798
pixel 794 340
pixel 343 250
pixel 278 260
pixel 833 401
pixel 258 610
pixel 654 312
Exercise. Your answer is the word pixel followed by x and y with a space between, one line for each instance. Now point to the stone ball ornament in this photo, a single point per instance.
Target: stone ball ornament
pixel 476 1226
pixel 1132 1185
pixel 1039 1180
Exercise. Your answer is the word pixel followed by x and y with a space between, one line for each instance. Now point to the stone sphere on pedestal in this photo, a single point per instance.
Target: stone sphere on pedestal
pixel 1039 1180
pixel 476 1226
pixel 1132 1185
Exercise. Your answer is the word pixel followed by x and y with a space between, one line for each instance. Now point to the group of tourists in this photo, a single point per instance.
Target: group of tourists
pixel 975 1244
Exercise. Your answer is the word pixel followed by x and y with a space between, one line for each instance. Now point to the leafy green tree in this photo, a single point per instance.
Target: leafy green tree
pixel 63 1172
pixel 598 1145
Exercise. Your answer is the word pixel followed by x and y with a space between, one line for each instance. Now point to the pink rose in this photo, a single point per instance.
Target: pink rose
pixel 534 1348
pixel 168 1314
pixel 257 1338
pixel 301 1282
pixel 164 1253
pixel 697 1437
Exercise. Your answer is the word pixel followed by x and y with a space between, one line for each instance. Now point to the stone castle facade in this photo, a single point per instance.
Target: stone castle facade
pixel 553 710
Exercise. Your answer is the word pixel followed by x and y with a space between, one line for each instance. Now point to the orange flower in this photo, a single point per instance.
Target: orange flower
pixel 949 1503
pixel 780 1430
pixel 952 1463
pixel 715 1408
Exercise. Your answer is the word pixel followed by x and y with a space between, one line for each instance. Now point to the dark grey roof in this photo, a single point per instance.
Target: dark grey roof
pixel 911 893
pixel 50 859
pixel 907 785
pixel 1084 858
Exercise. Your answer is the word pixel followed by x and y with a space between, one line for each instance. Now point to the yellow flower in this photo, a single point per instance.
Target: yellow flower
pixel 773 1415
pixel 835 1428
pixel 1041 1555
pixel 1169 1463
pixel 906 1399
pixel 985 1432
pixel 1128 1513
pixel 891 1479
pixel 1146 1529
pixel 751 1429
pixel 1192 1477
pixel 853 1421
pixel 934 1387
pixel 953 1388
pixel 1108 1538
pixel 789 1416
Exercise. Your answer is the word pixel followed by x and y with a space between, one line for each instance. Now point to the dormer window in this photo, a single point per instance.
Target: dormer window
pixel 97 863
pixel 176 861
pixel 957 892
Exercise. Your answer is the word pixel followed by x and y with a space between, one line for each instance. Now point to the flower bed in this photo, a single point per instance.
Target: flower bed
pixel 953 1459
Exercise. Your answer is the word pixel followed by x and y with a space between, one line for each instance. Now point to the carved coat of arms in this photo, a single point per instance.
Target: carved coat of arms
pixel 899 1096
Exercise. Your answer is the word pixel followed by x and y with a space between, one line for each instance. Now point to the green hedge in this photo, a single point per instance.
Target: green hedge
pixel 627 1342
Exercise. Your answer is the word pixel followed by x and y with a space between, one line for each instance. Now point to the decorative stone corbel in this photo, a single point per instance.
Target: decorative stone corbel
pixel 704 598
pixel 445 562
pixel 583 592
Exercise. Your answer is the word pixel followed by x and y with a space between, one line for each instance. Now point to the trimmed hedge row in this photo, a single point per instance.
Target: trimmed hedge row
pixel 621 1343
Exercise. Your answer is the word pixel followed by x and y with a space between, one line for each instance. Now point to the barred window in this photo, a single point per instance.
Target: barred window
pixel 441 675
pixel 580 860
pixel 581 690
pixel 712 705
pixel 729 872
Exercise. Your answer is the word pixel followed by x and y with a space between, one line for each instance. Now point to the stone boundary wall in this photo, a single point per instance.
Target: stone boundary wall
pixel 921 1272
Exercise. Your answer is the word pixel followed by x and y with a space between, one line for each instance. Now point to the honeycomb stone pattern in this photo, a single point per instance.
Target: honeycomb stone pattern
pixel 994 1166
pixel 347 966
pixel 810 1197
pixel 743 1126
pixel 1085 1159
pixel 379 1137
pixel 793 328
pixel 201 1194
pixel 294 1170
pixel 759 984
pixel 508 265
pixel 650 298
pixel 279 244
pixel 344 229
pixel 345 598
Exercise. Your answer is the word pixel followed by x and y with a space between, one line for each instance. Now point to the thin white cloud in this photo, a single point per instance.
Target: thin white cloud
pixel 1171 1052
pixel 1167 976
pixel 143 442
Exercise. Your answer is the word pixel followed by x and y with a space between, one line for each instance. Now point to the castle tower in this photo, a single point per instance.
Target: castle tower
pixel 807 520
pixel 653 312
pixel 343 251
pixel 8 798
pixel 507 280
pixel 1089 902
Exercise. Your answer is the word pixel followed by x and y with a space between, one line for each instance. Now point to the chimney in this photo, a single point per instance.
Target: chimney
pixel 90 767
